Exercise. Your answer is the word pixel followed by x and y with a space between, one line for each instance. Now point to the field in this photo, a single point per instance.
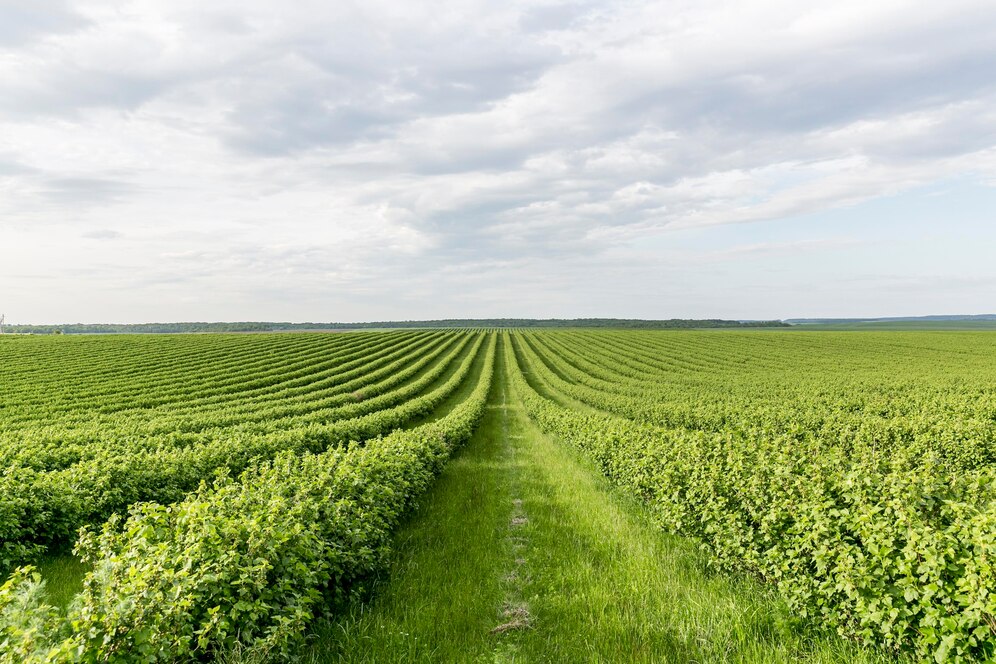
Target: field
pixel 499 495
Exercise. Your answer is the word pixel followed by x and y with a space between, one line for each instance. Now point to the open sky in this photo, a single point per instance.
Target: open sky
pixel 165 160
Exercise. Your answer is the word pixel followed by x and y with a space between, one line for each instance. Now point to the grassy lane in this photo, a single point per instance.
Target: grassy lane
pixel 521 553
pixel 460 394
pixel 445 580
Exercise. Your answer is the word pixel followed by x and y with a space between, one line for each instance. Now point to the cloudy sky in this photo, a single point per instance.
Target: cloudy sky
pixel 313 160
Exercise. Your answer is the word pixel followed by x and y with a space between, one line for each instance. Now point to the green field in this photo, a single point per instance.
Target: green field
pixel 494 495
pixel 905 325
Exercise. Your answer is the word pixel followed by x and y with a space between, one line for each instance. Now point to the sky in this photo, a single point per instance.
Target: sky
pixel 351 161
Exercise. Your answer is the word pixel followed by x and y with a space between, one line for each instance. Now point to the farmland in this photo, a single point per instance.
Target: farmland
pixel 602 495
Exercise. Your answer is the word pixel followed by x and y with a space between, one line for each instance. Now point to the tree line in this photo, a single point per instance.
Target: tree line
pixel 202 327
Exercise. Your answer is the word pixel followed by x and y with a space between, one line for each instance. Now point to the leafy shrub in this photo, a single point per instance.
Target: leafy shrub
pixel 239 565
pixel 889 544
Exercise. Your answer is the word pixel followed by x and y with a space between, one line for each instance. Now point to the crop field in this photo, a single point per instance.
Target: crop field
pixel 499 495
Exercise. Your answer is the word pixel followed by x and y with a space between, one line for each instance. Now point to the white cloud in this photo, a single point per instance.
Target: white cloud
pixel 302 153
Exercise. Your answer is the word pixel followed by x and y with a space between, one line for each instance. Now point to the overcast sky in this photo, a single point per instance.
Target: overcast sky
pixel 167 160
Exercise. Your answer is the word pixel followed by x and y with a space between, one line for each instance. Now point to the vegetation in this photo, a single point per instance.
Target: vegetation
pixel 974 322
pixel 235 496
pixel 181 328
pixel 523 552
pixel 152 435
pixel 864 496
pixel 239 565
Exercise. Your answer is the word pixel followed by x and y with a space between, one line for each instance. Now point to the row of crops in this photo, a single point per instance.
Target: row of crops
pixel 224 490
pixel 230 488
pixel 854 471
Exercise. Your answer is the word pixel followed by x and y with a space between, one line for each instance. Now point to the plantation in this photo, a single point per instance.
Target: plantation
pixel 239 497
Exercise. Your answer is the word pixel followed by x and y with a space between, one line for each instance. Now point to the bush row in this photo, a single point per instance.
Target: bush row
pixel 240 565
pixel 893 551
pixel 48 440
pixel 40 510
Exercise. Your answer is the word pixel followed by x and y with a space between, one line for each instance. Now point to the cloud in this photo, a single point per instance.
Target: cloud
pixel 10 167
pixel 84 190
pixel 24 22
pixel 101 234
pixel 347 147
pixel 762 249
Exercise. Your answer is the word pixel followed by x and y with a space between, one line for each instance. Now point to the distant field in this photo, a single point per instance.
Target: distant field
pixel 966 325
pixel 259 497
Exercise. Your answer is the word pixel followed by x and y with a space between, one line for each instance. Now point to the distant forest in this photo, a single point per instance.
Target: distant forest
pixel 188 328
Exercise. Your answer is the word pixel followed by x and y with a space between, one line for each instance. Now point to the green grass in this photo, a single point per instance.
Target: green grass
pixel 463 390
pixel 63 575
pixel 524 553
pixel 445 580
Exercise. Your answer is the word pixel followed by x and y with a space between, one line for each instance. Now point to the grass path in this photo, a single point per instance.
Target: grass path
pixel 460 530
pixel 523 553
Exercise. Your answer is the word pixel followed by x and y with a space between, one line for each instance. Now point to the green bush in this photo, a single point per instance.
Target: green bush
pixel 239 565
pixel 887 544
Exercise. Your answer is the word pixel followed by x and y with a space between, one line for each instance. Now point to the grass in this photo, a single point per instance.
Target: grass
pixel 63 575
pixel 437 604
pixel 524 553
pixel 463 390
